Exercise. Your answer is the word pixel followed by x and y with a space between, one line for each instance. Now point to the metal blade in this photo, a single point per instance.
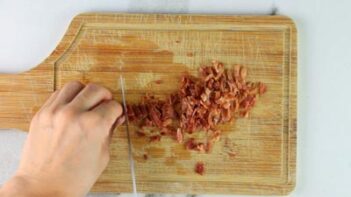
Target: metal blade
pixel 130 151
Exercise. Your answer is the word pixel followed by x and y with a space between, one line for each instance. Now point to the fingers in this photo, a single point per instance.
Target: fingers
pixel 51 98
pixel 109 110
pixel 90 97
pixel 119 122
pixel 108 140
pixel 67 93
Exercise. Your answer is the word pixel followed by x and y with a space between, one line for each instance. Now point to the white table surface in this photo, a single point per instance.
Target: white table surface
pixel 30 30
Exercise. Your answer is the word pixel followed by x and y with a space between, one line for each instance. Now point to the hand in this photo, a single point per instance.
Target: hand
pixel 68 142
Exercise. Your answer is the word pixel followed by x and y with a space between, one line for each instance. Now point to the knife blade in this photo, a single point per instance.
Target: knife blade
pixel 130 150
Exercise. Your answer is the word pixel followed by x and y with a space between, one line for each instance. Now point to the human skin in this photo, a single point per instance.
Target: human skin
pixel 67 147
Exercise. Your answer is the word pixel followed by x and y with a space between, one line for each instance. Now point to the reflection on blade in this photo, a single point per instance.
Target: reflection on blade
pixel 130 152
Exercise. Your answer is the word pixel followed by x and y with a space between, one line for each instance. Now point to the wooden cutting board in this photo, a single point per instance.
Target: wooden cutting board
pixel 145 48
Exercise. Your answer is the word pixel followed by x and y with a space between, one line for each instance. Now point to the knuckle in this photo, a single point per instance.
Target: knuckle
pixel 92 87
pixel 66 114
pixel 116 105
pixel 119 109
pixel 74 84
pixel 106 92
pixel 115 109
pixel 44 116
pixel 99 89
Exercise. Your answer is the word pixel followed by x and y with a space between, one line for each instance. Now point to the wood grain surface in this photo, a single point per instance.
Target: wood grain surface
pixel 145 48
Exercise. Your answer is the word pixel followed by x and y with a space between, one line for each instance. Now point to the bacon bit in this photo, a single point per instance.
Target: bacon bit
pixel 199 168
pixel 197 146
pixel 261 88
pixel 204 97
pixel 215 136
pixel 243 73
pixel 232 154
pixel 218 96
pixel 200 147
pixel 190 144
pixel 208 147
pixel 167 122
pixel 140 133
pixel 236 71
pixel 166 131
pixel 159 81
pixel 179 136
pixel 155 138
pixel 148 123
pixel 145 157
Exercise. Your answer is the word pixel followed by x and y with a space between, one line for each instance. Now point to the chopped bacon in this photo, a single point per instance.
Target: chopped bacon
pixel 218 96
pixel 140 133
pixel 155 138
pixel 261 88
pixel 199 168
pixel 179 135
pixel 159 81
pixel 190 144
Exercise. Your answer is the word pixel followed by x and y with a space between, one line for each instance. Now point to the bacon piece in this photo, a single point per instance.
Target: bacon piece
pixel 140 133
pixel 155 138
pixel 179 135
pixel 190 144
pixel 199 168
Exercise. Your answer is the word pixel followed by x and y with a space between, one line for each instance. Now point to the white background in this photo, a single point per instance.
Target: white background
pixel 30 30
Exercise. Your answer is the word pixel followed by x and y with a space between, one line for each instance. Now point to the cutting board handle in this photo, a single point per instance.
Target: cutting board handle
pixel 21 95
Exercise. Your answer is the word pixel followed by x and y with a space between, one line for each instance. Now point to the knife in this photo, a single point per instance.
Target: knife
pixel 130 151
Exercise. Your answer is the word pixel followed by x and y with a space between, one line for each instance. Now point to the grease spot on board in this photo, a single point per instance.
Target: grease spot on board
pixel 138 142
pixel 190 54
pixel 230 148
pixel 181 170
pixel 180 152
pixel 155 152
pixel 144 79
pixel 170 161
pixel 131 53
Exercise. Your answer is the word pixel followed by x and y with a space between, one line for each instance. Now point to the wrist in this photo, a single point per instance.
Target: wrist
pixel 20 185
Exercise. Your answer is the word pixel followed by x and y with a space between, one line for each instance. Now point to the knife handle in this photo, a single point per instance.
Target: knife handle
pixel 21 95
